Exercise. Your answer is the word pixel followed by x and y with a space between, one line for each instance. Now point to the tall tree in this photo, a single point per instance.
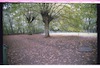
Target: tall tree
pixel 88 12
pixel 7 12
pixel 49 12
pixel 31 17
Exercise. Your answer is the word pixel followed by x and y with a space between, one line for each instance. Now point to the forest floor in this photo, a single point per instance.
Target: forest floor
pixel 55 50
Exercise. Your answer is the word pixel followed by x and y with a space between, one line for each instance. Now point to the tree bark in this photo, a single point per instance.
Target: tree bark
pixel 12 32
pixel 47 29
pixel 30 31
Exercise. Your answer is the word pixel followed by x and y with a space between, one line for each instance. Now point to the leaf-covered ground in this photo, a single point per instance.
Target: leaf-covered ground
pixel 55 50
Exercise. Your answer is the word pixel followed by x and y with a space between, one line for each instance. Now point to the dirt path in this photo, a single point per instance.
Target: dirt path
pixel 35 49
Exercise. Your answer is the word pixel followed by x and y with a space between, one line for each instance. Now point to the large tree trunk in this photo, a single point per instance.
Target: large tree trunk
pixel 47 29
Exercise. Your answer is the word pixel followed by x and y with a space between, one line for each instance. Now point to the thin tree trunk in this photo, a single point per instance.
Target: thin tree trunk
pixel 23 31
pixel 10 21
pixel 7 31
pixel 30 32
pixel 89 25
pixel 11 26
pixel 17 29
pixel 47 29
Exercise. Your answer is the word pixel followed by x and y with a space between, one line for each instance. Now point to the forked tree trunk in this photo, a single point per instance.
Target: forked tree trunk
pixel 47 29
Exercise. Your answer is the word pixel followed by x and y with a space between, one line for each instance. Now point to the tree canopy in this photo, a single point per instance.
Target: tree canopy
pixel 44 17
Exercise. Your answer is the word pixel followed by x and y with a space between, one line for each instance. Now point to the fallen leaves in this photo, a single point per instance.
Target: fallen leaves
pixel 35 49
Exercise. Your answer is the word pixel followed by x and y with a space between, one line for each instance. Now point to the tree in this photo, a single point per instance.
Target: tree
pixel 7 13
pixel 88 12
pixel 71 20
pixel 31 17
pixel 49 12
pixel 78 18
pixel 87 15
